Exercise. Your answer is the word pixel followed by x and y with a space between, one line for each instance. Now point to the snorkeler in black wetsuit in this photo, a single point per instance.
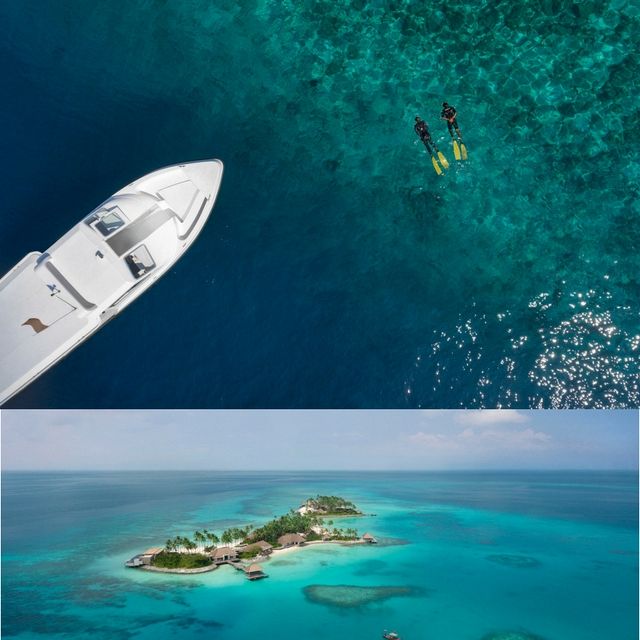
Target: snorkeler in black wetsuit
pixel 423 132
pixel 450 114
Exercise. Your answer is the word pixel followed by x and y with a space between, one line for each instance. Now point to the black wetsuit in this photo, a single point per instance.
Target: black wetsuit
pixel 423 132
pixel 450 114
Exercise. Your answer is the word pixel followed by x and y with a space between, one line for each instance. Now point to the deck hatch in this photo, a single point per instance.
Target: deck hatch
pixel 107 221
pixel 140 261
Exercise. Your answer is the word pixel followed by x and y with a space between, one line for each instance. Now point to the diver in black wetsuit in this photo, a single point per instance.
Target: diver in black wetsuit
pixel 450 114
pixel 423 132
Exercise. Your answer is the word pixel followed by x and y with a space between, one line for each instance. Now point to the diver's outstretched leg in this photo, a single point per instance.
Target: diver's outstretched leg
pixel 443 160
pixel 456 148
pixel 463 147
pixel 434 162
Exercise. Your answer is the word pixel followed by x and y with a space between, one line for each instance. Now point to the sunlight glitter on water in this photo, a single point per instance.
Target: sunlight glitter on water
pixel 578 356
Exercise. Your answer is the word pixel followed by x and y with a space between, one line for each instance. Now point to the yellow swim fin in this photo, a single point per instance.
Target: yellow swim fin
pixel 436 166
pixel 456 150
pixel 443 160
pixel 463 148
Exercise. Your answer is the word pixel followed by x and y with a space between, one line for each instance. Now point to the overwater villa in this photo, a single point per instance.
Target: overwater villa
pixel 367 537
pixel 254 572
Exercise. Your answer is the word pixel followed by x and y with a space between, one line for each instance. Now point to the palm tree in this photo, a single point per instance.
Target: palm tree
pixel 238 533
pixel 199 538
pixel 169 545
pixel 227 537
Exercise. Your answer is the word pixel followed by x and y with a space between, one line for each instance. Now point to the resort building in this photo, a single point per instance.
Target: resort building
pixel 147 556
pixel 144 558
pixel 291 540
pixel 136 561
pixel 224 554
pixel 367 537
pixel 254 572
pixel 262 546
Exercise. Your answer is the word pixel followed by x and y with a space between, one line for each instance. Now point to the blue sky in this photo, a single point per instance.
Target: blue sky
pixel 309 440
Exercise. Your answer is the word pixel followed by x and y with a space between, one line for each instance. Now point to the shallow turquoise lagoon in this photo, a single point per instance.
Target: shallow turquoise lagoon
pixel 338 270
pixel 461 555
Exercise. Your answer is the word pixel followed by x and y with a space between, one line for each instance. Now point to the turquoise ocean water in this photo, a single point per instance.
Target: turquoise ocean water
pixel 338 270
pixel 546 555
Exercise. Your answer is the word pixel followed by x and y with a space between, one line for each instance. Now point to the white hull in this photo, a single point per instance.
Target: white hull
pixel 53 301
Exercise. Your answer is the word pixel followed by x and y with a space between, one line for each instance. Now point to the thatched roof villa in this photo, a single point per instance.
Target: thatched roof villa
pixel 224 554
pixel 291 540
pixel 254 572
pixel 262 546
pixel 148 555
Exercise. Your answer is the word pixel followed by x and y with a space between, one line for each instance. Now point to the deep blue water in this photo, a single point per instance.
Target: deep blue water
pixel 338 270
pixel 546 555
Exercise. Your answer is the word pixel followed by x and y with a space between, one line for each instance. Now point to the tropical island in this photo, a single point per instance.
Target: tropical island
pixel 329 506
pixel 237 546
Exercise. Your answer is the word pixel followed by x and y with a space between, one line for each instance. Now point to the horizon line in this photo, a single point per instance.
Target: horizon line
pixel 469 470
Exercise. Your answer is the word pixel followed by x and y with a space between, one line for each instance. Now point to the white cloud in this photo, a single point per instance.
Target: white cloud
pixel 490 431
pixel 486 417
pixel 492 440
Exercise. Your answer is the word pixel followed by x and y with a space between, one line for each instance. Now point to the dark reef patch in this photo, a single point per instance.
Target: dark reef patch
pixel 345 596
